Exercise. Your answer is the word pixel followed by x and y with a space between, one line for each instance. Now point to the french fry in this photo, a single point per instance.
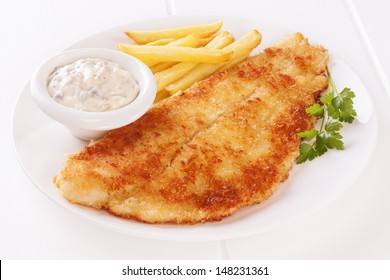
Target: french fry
pixel 167 76
pixel 161 42
pixel 245 44
pixel 151 55
pixel 161 66
pixel 204 41
pixel 200 72
pixel 162 94
pixel 240 47
pixel 191 40
pixel 234 62
pixel 220 41
pixel 175 60
pixel 165 65
pixel 203 30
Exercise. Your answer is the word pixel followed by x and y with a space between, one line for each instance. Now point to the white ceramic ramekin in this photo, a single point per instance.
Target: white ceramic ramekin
pixel 92 125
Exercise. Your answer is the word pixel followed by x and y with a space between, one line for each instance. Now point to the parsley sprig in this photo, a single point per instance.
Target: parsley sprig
pixel 336 109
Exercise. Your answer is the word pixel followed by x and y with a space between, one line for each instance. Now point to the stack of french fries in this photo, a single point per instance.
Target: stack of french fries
pixel 179 57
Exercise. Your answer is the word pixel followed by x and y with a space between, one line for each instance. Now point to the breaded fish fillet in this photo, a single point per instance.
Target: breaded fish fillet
pixel 198 156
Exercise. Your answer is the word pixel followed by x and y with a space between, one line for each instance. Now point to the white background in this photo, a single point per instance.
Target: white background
pixel 355 226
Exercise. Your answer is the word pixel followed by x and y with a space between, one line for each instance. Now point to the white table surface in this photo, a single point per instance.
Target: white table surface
pixel 355 226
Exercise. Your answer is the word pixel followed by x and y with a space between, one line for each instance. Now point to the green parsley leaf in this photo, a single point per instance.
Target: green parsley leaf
pixel 320 144
pixel 343 105
pixel 306 152
pixel 334 143
pixel 337 108
pixel 327 98
pixel 316 111
pixel 308 134
pixel 347 93
pixel 333 126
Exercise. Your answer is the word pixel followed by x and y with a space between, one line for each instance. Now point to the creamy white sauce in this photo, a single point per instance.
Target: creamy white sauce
pixel 92 85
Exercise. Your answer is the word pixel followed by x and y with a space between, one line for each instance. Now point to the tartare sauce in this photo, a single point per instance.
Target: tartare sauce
pixel 92 85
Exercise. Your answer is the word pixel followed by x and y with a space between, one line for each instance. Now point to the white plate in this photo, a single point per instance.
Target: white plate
pixel 41 145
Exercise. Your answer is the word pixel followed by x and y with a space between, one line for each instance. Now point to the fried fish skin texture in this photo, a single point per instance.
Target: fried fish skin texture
pixel 199 156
